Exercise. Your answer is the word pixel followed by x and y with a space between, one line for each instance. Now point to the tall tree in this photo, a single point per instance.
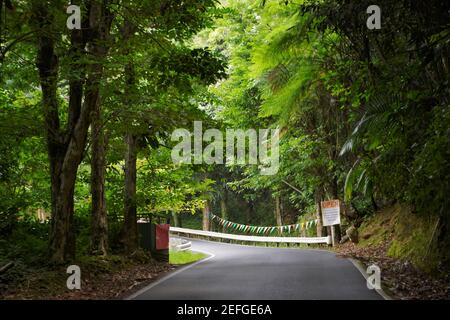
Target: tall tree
pixel 99 225
pixel 66 146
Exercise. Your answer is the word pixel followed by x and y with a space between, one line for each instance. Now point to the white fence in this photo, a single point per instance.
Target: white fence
pixel 235 237
pixel 179 244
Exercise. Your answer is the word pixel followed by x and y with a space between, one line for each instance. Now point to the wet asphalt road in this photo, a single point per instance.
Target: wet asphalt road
pixel 235 272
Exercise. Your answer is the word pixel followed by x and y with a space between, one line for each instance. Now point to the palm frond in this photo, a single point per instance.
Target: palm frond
pixel 347 147
pixel 348 186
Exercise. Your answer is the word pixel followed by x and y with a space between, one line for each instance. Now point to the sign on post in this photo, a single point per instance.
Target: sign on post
pixel 331 212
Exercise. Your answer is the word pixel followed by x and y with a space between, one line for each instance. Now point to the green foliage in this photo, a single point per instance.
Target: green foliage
pixel 364 115
pixel 169 83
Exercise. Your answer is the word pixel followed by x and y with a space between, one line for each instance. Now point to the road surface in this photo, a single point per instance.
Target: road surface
pixel 235 272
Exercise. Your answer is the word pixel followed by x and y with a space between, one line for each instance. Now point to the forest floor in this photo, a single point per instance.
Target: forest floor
pixel 102 279
pixel 400 278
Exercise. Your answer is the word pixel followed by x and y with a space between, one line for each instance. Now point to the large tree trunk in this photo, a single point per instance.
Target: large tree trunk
pixel 99 225
pixel 62 237
pixel 101 20
pixel 62 173
pixel 131 236
pixel 130 208
pixel 66 147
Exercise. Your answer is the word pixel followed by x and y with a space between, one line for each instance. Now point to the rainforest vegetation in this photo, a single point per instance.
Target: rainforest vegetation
pixel 87 115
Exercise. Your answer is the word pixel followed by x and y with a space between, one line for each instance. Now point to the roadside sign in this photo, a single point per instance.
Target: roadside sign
pixel 162 236
pixel 331 212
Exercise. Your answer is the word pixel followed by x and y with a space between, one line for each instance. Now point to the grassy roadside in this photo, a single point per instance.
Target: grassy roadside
pixel 185 257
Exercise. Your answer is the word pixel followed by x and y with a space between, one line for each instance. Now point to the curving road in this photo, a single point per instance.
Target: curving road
pixel 235 272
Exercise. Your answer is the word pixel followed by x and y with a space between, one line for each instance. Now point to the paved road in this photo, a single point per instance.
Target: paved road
pixel 237 272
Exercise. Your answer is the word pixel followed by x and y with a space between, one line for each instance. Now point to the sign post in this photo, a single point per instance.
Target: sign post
pixel 331 216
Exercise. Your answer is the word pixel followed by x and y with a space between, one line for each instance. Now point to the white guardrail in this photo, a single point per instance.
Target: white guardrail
pixel 184 246
pixel 218 235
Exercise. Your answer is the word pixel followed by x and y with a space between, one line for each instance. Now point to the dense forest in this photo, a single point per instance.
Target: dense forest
pixel 87 116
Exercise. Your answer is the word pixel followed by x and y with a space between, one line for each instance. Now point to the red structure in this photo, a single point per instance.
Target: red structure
pixel 162 236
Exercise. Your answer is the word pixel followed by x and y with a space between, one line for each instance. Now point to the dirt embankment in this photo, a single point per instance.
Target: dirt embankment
pixel 405 248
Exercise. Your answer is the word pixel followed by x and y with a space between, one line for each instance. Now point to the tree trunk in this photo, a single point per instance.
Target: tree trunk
pixel 337 233
pixel 337 228
pixel 278 211
pixel 62 154
pixel 249 209
pixel 66 147
pixel 176 221
pixel 101 21
pixel 206 216
pixel 130 208
pixel 319 226
pixel 99 224
pixel 62 237
pixel 223 206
